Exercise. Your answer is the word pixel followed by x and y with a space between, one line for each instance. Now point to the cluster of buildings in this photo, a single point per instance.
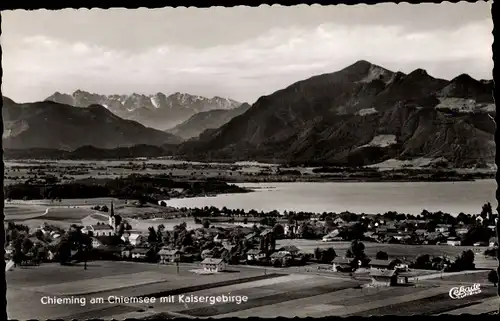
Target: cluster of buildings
pixel 409 232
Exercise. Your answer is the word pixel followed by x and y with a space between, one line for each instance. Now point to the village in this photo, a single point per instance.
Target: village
pixel 104 235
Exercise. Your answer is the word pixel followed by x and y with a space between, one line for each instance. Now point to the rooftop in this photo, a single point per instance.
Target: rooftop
pixel 211 261
pixel 376 262
pixel 101 227
pixel 168 252
pixel 386 273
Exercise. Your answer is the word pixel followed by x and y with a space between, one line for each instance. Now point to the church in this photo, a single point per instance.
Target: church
pixel 101 224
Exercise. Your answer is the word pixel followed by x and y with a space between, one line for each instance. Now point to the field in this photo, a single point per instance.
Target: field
pixel 395 250
pixel 270 293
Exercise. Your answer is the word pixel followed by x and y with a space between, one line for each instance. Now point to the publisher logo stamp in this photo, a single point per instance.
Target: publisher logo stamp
pixel 463 291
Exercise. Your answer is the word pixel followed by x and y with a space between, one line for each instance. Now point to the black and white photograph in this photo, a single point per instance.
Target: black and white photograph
pixel 270 161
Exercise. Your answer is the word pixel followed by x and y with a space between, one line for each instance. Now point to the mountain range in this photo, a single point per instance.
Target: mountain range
pixel 360 115
pixel 50 125
pixel 158 111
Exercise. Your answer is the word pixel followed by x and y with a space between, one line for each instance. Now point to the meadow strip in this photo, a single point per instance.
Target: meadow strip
pixel 266 300
pixel 102 284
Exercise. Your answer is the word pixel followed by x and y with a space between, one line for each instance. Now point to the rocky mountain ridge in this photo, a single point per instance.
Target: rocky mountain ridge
pixel 158 111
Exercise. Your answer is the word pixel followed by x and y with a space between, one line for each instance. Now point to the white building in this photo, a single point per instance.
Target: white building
pixel 136 239
pixel 99 230
pixel 453 241
pixel 255 255
pixel 213 265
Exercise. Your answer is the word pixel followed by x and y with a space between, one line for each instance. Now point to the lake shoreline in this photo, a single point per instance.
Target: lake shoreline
pixel 356 197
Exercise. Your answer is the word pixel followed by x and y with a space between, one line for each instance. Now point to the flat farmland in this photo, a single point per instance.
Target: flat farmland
pixel 269 294
pixel 393 250
pixel 23 212
pixel 27 285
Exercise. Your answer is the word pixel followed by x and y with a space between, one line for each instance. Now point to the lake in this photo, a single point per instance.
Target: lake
pixel 369 198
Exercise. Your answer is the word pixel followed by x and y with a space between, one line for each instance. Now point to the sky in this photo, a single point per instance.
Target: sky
pixel 240 53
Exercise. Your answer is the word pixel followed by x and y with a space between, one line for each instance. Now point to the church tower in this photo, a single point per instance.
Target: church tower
pixel 112 218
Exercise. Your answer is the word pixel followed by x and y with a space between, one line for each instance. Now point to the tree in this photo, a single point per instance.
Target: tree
pixel 206 223
pixel 245 220
pixel 27 245
pixel 104 208
pixel 327 255
pixel 278 231
pixel 329 223
pixel 381 255
pixel 159 232
pixel 317 253
pixel 493 277
pixel 162 203
pixel 152 237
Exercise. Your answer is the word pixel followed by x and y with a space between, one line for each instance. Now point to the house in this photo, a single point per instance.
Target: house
pixel 329 237
pixel 341 265
pixel 443 228
pixel 461 231
pixel 206 254
pixel 169 256
pixel 369 235
pixel 479 219
pixel 384 277
pixel 219 238
pixel 265 232
pixel 213 265
pixel 140 253
pixel 453 241
pixel 382 264
pixel 126 253
pixel 251 236
pixel 283 256
pixel 136 239
pixel 339 221
pixel 291 249
pixel 96 243
pixel 37 242
pixel 255 255
pixel 493 242
pixel 55 235
pixel 492 227
pixel 100 230
pixel 420 231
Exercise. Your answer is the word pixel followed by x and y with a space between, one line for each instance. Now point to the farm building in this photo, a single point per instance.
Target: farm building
pixel 382 264
pixel 383 277
pixel 255 255
pixel 454 241
pixel 169 256
pixel 213 265
pixel 341 265
pixel 388 278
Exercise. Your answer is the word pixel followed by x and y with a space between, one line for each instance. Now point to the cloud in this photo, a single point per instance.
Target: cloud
pixel 37 66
